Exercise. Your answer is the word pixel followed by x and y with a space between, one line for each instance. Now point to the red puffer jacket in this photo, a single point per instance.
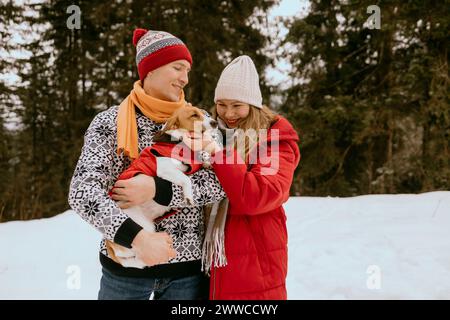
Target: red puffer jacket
pixel 255 230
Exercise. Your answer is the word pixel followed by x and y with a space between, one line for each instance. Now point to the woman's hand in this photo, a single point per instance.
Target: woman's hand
pixel 134 191
pixel 209 144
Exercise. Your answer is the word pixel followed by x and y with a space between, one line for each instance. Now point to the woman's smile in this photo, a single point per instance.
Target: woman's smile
pixel 231 122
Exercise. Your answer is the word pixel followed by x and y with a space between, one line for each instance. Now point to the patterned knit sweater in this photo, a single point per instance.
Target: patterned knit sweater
pixel 95 174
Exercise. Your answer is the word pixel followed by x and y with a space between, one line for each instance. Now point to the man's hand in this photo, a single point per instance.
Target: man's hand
pixel 153 247
pixel 134 191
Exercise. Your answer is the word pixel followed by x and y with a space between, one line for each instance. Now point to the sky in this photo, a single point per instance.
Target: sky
pixel 286 9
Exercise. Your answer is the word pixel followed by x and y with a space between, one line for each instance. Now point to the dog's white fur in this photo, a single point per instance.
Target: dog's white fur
pixel 169 169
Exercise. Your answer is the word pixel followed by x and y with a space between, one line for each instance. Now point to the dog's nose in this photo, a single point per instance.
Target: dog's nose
pixel 213 123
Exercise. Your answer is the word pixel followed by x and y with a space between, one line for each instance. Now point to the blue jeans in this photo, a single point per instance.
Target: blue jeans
pixel 113 287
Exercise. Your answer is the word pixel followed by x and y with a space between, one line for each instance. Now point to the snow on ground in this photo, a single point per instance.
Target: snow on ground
pixel 339 246
pixel 366 247
pixel 40 259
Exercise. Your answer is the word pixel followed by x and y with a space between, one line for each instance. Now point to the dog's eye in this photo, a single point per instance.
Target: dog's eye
pixel 194 116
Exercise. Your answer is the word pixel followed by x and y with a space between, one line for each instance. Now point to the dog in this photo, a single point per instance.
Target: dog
pixel 168 159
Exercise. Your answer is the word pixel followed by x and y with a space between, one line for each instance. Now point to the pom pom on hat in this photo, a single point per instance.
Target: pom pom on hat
pixel 137 34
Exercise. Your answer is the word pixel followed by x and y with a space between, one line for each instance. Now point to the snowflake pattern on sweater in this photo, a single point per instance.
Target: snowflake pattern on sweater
pixel 98 169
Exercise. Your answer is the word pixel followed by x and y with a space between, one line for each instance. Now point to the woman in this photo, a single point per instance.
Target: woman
pixel 253 264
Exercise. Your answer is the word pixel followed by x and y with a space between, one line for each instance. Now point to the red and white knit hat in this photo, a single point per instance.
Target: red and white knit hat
pixel 157 48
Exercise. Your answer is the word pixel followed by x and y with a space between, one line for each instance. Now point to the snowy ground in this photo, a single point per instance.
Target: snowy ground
pixel 367 247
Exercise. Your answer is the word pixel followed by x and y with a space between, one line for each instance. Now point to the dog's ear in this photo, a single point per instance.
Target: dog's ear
pixel 171 124
pixel 162 136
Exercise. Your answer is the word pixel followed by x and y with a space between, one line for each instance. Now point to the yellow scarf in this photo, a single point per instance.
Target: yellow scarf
pixel 154 109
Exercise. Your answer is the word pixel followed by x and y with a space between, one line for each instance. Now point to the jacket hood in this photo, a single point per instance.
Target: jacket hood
pixel 284 129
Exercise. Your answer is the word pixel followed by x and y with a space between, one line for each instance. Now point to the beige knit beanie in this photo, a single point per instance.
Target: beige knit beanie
pixel 240 81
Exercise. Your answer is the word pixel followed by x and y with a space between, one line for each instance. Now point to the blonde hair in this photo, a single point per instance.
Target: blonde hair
pixel 257 119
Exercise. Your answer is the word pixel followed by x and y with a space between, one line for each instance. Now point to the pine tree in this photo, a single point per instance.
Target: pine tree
pixel 361 100
pixel 10 15
pixel 73 74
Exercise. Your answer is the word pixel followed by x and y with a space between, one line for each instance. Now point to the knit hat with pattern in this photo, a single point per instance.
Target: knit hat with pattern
pixel 157 48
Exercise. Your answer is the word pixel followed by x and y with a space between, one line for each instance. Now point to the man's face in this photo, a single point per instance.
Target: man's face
pixel 167 81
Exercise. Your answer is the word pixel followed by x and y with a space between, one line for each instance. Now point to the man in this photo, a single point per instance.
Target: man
pixel 116 137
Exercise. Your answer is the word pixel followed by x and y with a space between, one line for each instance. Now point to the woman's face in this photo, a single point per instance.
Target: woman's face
pixel 232 111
